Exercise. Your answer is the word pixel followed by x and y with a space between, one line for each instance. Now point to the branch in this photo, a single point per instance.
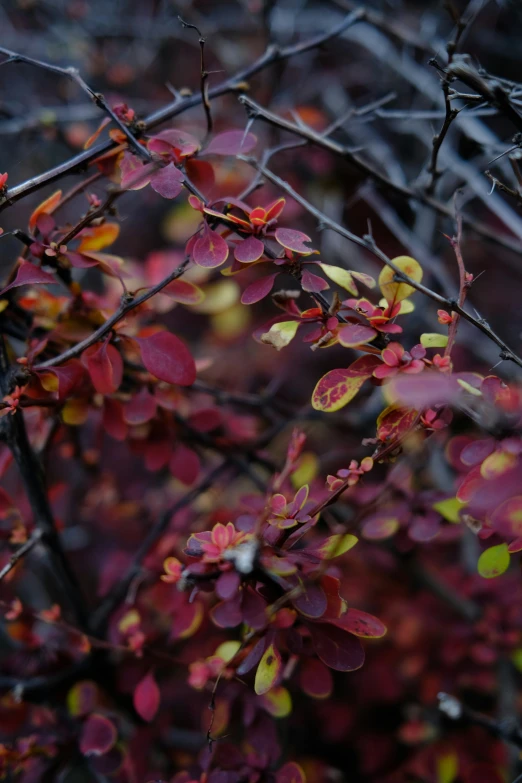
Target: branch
pixel 128 304
pixel 236 83
pixel 368 243
pixel 204 75
pixel 97 98
pixel 455 710
pixel 31 542
pixel 404 191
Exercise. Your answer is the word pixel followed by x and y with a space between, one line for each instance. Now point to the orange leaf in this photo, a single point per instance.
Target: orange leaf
pixel 47 207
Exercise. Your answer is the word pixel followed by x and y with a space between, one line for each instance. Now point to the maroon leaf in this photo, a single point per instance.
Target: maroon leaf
pixel 337 648
pixel 228 614
pixel 254 609
pixel 113 421
pixel 98 735
pixel 258 290
pixel 210 250
pixel 184 464
pixel 315 679
pixel 167 358
pixel 231 143
pixel 227 585
pixel 361 624
pixel 146 697
pixel 312 601
pixel 28 274
pixel 141 408
pixel 249 250
pixel 168 181
pixel 105 367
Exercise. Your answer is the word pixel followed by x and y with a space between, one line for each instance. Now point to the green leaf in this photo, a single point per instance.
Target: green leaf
pixel 434 340
pixel 494 561
pixel 268 670
pixel 340 276
pixel 449 509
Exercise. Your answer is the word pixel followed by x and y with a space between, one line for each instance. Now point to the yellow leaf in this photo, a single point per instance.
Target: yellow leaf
pixel 219 297
pixel 280 335
pixel 268 670
pixel 307 469
pixel 434 340
pixel 497 464
pixel 494 561
pixel 449 509
pixel 227 650
pixel 75 412
pixel 394 291
pixel 340 276
pixel 337 545
pixel 447 768
pixel 98 237
pixel 278 702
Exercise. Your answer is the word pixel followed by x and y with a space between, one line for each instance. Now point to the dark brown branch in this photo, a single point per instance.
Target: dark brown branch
pixel 236 83
pixel 404 191
pixel 128 303
pixel 368 243
pixel 97 98
pixel 455 710
pixel 204 75
pixel 15 558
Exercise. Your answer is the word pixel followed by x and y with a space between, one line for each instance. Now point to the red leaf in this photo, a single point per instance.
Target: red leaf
pixel 315 679
pixel 28 274
pixel 293 240
pixel 98 735
pixel 353 335
pixel 140 409
pixel 184 464
pixel 210 250
pixel 105 366
pixel 167 358
pixel 361 624
pixel 201 174
pixel 113 421
pixel 336 648
pixel 146 697
pixel 168 181
pixel 313 283
pixel 63 379
pixel 231 143
pixel 47 207
pixel 258 290
pixel 249 250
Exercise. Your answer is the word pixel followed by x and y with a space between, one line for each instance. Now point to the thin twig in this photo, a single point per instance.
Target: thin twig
pixel 204 75
pixel 15 558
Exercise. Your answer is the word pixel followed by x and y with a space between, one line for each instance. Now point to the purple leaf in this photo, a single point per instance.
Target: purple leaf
pixel 231 143
pixel 168 181
pixel 293 240
pixel 251 249
pixel 312 602
pixel 28 274
pixel 353 335
pixel 227 585
pixel 336 648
